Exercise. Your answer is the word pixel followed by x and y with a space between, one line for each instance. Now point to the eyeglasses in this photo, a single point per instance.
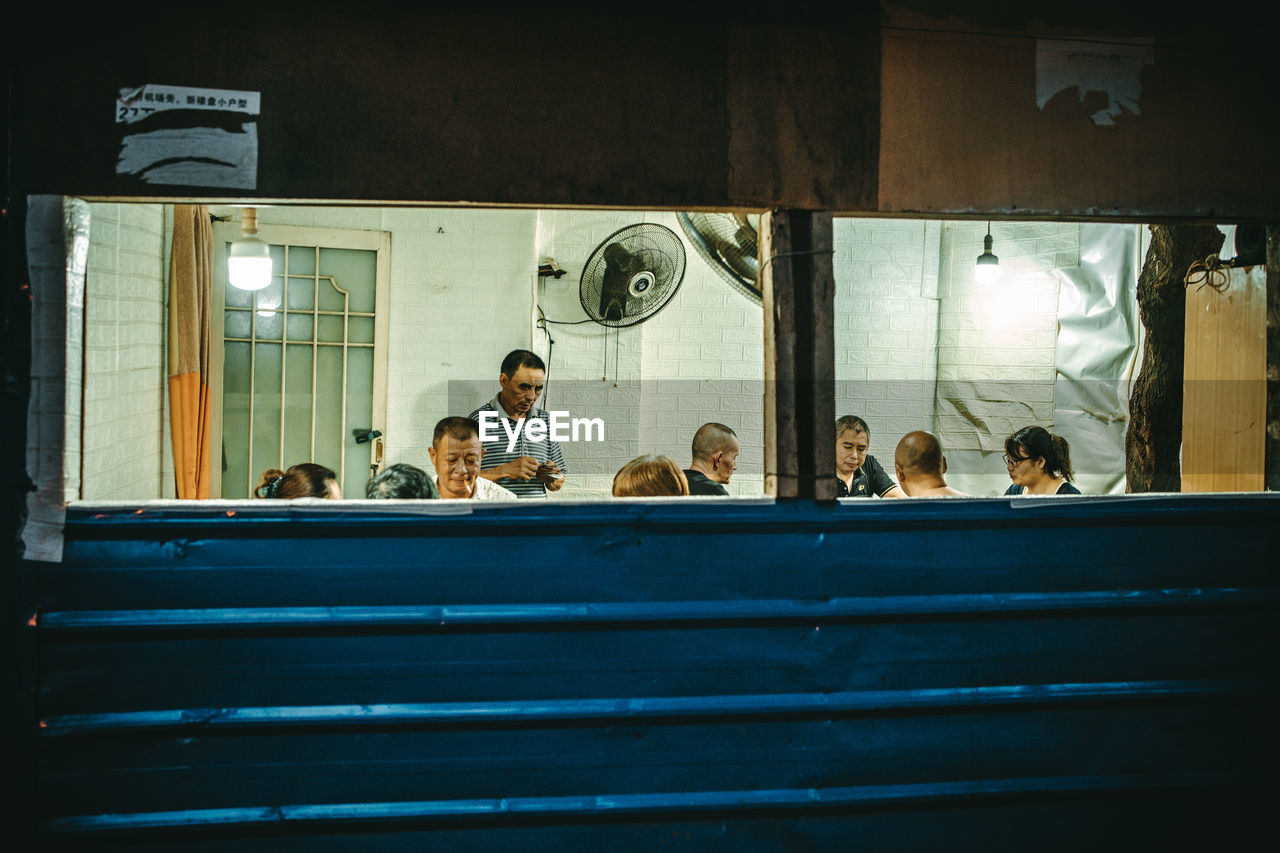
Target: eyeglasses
pixel 1011 461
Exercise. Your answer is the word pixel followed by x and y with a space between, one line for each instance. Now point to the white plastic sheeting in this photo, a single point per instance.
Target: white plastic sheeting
pixel 1095 361
pixel 1098 328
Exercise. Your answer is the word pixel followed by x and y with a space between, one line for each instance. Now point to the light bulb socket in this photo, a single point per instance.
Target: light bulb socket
pixel 249 259
pixel 987 267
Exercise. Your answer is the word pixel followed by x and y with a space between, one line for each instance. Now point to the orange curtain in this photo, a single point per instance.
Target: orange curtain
pixel 190 303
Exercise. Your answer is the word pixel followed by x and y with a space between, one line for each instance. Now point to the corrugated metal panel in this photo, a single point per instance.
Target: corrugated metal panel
pixel 628 676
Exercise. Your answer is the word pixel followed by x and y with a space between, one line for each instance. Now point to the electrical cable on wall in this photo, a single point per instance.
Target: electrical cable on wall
pixel 629 277
pixel 544 323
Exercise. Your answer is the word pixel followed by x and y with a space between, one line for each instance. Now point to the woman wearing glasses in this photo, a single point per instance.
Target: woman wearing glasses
pixel 1038 462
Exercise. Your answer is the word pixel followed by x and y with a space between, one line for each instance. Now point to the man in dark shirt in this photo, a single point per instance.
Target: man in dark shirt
pixel 857 474
pixel 715 457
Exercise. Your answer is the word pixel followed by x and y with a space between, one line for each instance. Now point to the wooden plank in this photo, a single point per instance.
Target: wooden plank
pixel 553 106
pixel 804 108
pixel 779 431
pixel 961 132
pixel 1273 359
pixel 539 106
pixel 798 282
pixel 1224 383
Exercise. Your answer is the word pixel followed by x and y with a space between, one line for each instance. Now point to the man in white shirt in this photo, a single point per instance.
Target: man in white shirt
pixel 456 453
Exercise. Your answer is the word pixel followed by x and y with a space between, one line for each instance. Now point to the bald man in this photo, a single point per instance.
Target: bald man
pixel 920 466
pixel 715 458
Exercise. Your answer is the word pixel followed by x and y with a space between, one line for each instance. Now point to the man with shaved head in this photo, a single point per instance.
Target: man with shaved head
pixel 920 466
pixel 715 457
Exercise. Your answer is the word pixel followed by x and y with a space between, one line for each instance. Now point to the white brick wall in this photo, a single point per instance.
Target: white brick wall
pixel 125 385
pixel 715 374
pixel 699 359
pixel 919 345
pixel 886 274
pixel 460 301
pixel 57 236
pixel 997 342
pixel 593 372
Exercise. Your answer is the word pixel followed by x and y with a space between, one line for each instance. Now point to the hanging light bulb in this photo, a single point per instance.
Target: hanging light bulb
pixel 987 268
pixel 249 262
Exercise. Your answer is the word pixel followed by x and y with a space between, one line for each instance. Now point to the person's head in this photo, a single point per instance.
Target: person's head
pixel 306 480
pixel 1033 453
pixel 715 451
pixel 401 481
pixel 918 456
pixel 651 475
pixel 853 437
pixel 456 453
pixel 522 377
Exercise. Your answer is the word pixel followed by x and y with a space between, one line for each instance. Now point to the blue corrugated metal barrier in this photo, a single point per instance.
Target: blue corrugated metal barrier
pixel 886 675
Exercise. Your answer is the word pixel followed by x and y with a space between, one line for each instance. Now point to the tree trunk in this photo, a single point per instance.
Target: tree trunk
pixel 1153 441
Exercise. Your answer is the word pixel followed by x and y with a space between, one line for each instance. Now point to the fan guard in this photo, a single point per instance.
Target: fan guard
pixel 632 275
pixel 729 243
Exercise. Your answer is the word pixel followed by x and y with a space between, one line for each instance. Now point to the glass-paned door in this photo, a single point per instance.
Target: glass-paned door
pixel 303 360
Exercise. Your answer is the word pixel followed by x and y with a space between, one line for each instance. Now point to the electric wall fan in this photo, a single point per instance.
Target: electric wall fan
pixel 632 275
pixel 729 243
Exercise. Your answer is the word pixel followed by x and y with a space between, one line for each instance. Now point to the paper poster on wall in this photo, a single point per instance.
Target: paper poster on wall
pixel 185 136
pixel 1112 67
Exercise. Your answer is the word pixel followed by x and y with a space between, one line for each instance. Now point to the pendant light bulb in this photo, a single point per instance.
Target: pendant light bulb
pixel 987 268
pixel 249 262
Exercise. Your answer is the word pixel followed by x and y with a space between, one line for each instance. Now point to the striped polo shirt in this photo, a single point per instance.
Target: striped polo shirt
pixel 496 453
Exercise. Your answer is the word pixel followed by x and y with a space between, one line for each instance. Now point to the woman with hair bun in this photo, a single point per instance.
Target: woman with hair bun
pixel 651 475
pixel 305 480
pixel 1038 462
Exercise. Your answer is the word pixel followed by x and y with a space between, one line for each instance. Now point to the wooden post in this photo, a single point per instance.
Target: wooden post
pixel 1272 452
pixel 1223 381
pixel 798 283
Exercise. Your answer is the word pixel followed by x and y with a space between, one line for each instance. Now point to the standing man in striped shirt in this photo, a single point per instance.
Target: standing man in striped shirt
pixel 530 468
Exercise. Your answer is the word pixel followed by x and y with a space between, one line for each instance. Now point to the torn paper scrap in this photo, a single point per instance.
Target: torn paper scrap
pixel 140 102
pixel 196 157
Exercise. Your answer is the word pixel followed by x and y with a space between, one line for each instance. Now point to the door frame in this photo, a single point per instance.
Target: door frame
pixel 295 235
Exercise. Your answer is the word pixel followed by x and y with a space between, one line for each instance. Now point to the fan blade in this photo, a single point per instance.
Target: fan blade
pixel 729 244
pixel 613 293
pixel 619 258
pixel 632 275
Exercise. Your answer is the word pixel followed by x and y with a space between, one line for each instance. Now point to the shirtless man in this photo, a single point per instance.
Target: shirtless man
pixel 920 466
